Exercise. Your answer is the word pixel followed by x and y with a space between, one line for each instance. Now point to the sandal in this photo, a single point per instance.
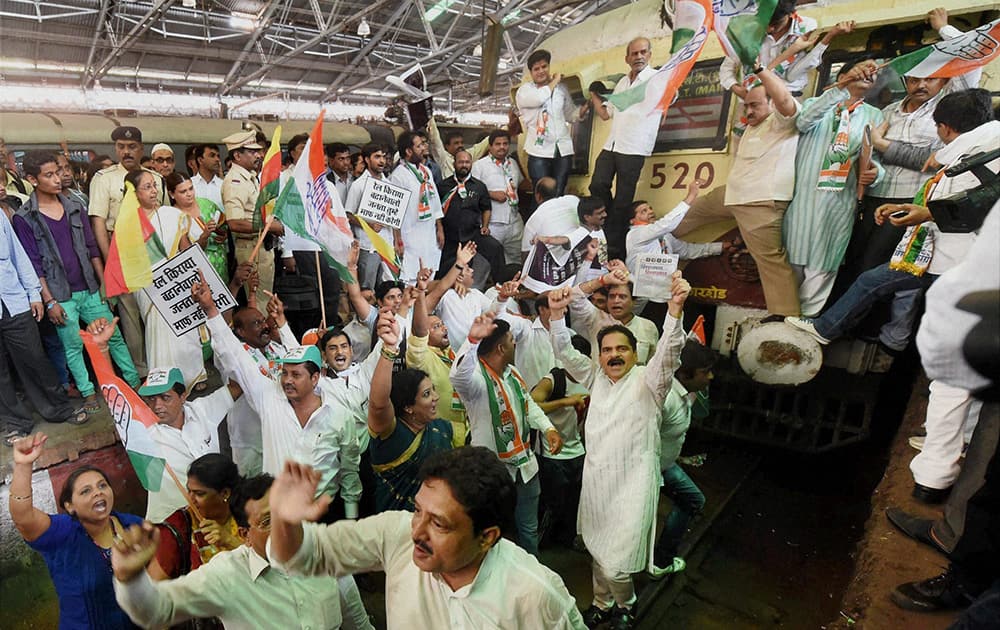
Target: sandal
pixel 91 407
pixel 80 416
pixel 13 436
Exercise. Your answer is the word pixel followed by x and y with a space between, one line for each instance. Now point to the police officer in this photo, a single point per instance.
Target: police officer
pixel 239 195
pixel 107 190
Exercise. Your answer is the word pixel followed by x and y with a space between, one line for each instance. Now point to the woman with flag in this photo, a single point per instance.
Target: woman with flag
pixel 208 222
pixel 165 230
pixel 817 224
pixel 76 546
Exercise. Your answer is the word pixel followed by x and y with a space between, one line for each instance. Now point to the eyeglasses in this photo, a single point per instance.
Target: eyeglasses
pixel 163 160
pixel 147 187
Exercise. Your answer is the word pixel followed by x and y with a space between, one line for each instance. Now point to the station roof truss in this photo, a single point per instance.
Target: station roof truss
pixel 298 49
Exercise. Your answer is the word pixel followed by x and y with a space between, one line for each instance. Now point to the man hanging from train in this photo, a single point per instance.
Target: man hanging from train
pixel 107 189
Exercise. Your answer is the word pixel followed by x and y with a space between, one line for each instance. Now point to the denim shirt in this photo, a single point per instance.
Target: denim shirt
pixel 19 284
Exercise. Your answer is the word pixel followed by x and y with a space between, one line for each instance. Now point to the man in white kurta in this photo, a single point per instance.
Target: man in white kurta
pixel 502 177
pixel 621 473
pixel 422 232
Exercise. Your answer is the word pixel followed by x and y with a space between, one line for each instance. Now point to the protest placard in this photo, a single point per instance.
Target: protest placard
pixel 653 274
pixel 382 202
pixel 170 292
pixel 553 266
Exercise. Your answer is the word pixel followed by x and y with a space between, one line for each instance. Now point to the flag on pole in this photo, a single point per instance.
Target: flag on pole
pixel 132 420
pixel 385 251
pixel 741 26
pixel 306 206
pixel 270 181
pixel 692 21
pixel 952 57
pixel 128 267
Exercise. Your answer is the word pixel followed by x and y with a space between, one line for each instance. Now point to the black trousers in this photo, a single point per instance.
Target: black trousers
pixel 21 346
pixel 624 170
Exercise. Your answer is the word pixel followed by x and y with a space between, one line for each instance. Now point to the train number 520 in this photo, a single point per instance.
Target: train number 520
pixel 705 172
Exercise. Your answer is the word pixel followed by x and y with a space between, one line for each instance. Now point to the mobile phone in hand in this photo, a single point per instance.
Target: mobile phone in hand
pixel 899 214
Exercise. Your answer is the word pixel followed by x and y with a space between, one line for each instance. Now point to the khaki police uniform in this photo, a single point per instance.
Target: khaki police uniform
pixel 239 195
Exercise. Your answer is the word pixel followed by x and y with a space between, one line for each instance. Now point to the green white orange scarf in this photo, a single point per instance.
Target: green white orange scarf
pixel 511 448
pixel 916 249
pixel 423 176
pixel 837 162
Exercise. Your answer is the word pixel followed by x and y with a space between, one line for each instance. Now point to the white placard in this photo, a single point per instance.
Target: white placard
pixel 653 276
pixel 170 292
pixel 383 202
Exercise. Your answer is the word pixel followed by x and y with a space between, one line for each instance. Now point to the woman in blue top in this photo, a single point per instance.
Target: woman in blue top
pixel 403 422
pixel 76 546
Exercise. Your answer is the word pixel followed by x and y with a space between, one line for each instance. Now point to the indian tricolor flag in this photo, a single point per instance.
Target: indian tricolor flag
pixel 385 251
pixel 270 181
pixel 741 26
pixel 128 267
pixel 306 206
pixel 952 57
pixel 132 420
pixel 692 22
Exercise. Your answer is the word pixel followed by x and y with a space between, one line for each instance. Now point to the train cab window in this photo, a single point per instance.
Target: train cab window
pixel 699 118
pixel 581 132
pixel 888 86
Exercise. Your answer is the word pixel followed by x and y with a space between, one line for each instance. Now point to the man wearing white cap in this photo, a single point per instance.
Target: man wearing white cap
pixel 239 196
pixel 163 159
pixel 185 431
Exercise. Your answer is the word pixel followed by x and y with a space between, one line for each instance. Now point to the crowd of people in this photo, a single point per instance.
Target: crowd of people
pixel 443 423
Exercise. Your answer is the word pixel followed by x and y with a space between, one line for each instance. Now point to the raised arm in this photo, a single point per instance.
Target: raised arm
pixel 358 302
pixel 463 257
pixel 464 370
pixel 576 364
pixel 381 414
pixel 29 520
pixel 784 103
pixel 660 368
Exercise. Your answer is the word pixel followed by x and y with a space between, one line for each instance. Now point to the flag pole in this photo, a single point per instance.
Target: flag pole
pixel 184 492
pixel 322 302
pixel 260 239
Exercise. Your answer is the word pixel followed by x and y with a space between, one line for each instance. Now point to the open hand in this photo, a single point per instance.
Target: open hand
pixel 482 326
pixel 465 253
pixel 133 550
pixel 292 495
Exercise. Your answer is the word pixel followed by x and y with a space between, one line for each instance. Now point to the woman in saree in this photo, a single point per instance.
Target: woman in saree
pixel 208 223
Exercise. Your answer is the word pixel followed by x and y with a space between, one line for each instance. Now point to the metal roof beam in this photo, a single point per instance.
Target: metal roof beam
pixel 155 12
pixel 252 41
pixel 332 30
pixel 101 24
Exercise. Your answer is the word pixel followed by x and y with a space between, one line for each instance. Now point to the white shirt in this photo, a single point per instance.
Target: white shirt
pixel 633 132
pixel 419 235
pixel 533 355
pixel 211 190
pixel 552 111
pixel 471 385
pixel 458 313
pixel 621 472
pixel 240 588
pixel 674 423
pixel 588 320
pixel 555 217
pixel 198 436
pixel 564 420
pixel 351 390
pixel 326 442
pixel 341 184
pixel 512 589
pixel 796 75
pixel 656 238
pixel 497 177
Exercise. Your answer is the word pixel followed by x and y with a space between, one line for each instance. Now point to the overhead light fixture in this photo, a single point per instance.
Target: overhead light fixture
pixel 364 30
pixel 243 21
pixel 190 3
pixel 438 9
pixel 477 51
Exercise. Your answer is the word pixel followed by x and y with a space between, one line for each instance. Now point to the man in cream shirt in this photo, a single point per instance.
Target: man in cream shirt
pixel 446 564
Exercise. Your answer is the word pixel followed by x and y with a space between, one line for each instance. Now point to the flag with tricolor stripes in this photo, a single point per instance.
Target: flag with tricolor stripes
pixel 132 419
pixel 384 250
pixel 306 206
pixel 692 21
pixel 270 181
pixel 741 26
pixel 952 57
pixel 128 267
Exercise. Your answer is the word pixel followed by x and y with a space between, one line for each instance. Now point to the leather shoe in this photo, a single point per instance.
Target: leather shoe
pixel 622 619
pixel 930 496
pixel 918 529
pixel 595 616
pixel 942 592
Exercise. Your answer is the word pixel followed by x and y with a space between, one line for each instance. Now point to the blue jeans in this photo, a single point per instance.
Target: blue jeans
pixel 688 503
pixel 526 513
pixel 556 167
pixel 875 285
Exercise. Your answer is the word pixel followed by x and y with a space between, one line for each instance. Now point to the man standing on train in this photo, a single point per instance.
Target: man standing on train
pixel 631 141
pixel 107 189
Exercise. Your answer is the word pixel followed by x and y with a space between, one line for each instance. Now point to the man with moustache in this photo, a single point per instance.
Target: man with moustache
pixel 107 189
pixel 631 141
pixel 621 472
pixel 369 262
pixel 446 564
pixel 502 177
pixel 467 212
pixel 206 179
pixel 163 159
